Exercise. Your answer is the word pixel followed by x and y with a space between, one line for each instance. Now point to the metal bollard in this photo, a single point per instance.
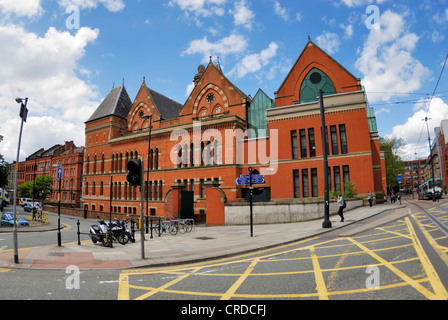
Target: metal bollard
pixel 79 234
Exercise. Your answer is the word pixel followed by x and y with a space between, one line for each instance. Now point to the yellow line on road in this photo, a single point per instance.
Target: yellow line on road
pixel 320 282
pixel 396 233
pixel 123 287
pixel 439 248
pixel 167 285
pixel 428 294
pixel 240 280
pixel 434 279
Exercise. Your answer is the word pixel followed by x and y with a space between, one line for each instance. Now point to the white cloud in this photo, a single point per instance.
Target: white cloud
pixel 254 62
pixel 189 89
pixel 38 132
pixel 44 69
pixel 441 17
pixel 229 45
pixel 386 59
pixel 329 41
pixel 348 30
pixel 414 131
pixel 111 5
pixel 357 3
pixel 242 15
pixel 203 8
pixel 282 12
pixel 23 8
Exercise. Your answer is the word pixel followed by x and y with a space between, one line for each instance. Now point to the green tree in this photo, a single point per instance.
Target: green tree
pixel 25 189
pixel 349 190
pixel 4 170
pixel 394 163
pixel 38 189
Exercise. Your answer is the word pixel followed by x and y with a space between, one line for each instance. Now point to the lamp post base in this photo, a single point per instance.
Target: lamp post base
pixel 326 224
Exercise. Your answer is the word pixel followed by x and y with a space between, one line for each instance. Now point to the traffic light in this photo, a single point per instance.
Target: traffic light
pixel 135 173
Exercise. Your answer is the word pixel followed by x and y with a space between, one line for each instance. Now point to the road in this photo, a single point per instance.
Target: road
pixel 391 261
pixel 382 258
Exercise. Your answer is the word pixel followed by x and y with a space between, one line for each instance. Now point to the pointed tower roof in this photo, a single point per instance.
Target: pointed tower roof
pixel 213 78
pixel 117 103
pixel 312 57
pixel 167 108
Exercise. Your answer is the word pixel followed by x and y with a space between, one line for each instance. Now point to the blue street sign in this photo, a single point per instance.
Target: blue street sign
pixel 245 176
pixel 256 179
pixel 59 173
pixel 242 182
pixel 400 178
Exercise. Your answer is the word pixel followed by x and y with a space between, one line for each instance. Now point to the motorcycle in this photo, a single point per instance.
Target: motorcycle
pixel 106 232
pixel 98 233
pixel 120 231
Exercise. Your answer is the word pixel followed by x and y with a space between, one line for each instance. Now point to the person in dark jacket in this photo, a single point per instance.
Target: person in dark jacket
pixel 341 204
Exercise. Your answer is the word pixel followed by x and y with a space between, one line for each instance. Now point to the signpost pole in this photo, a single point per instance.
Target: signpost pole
pixel 251 190
pixel 249 180
pixel 327 223
pixel 142 229
pixel 59 207
pixel 23 115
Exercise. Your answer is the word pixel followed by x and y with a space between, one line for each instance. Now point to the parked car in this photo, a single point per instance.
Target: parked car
pixel 29 207
pixel 25 201
pixel 8 220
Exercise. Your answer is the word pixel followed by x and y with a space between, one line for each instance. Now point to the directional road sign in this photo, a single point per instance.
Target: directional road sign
pixel 59 173
pixel 243 180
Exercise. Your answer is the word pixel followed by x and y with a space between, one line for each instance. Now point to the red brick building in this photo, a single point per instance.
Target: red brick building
pixel 413 175
pixel 46 162
pixel 198 149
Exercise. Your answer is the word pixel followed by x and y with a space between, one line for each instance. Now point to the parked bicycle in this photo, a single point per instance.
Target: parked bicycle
pixel 185 225
pixel 167 226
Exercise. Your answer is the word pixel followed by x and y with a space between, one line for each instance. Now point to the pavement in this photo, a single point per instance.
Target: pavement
pixel 203 243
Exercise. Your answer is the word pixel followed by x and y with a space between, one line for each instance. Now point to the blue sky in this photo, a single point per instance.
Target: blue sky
pixel 66 72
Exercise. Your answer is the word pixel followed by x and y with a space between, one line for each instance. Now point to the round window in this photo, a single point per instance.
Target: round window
pixel 315 78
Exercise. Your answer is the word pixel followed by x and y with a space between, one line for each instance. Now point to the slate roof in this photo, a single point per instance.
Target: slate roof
pixel 168 108
pixel 116 103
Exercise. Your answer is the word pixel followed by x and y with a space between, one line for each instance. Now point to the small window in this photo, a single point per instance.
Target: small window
pixel 294 146
pixel 296 182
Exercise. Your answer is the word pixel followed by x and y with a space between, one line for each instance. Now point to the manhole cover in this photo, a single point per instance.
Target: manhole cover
pixel 56 254
pixel 204 238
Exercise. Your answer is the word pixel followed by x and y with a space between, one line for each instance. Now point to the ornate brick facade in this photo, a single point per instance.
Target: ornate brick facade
pixel 203 146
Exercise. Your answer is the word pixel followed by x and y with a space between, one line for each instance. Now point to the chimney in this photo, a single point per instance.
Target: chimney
pixel 198 76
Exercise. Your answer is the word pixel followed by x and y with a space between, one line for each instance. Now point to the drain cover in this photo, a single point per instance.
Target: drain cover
pixel 204 238
pixel 56 254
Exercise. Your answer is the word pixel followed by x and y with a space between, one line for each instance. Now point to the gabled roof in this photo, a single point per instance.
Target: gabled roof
pixel 201 84
pixel 36 154
pixel 168 108
pixel 117 103
pixel 312 44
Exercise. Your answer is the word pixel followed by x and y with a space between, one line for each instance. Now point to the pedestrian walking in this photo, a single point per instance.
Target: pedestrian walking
pixel 370 198
pixel 342 205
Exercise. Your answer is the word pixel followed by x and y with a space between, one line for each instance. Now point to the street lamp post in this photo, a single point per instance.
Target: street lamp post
pixel 23 115
pixel 327 223
pixel 432 162
pixel 143 116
